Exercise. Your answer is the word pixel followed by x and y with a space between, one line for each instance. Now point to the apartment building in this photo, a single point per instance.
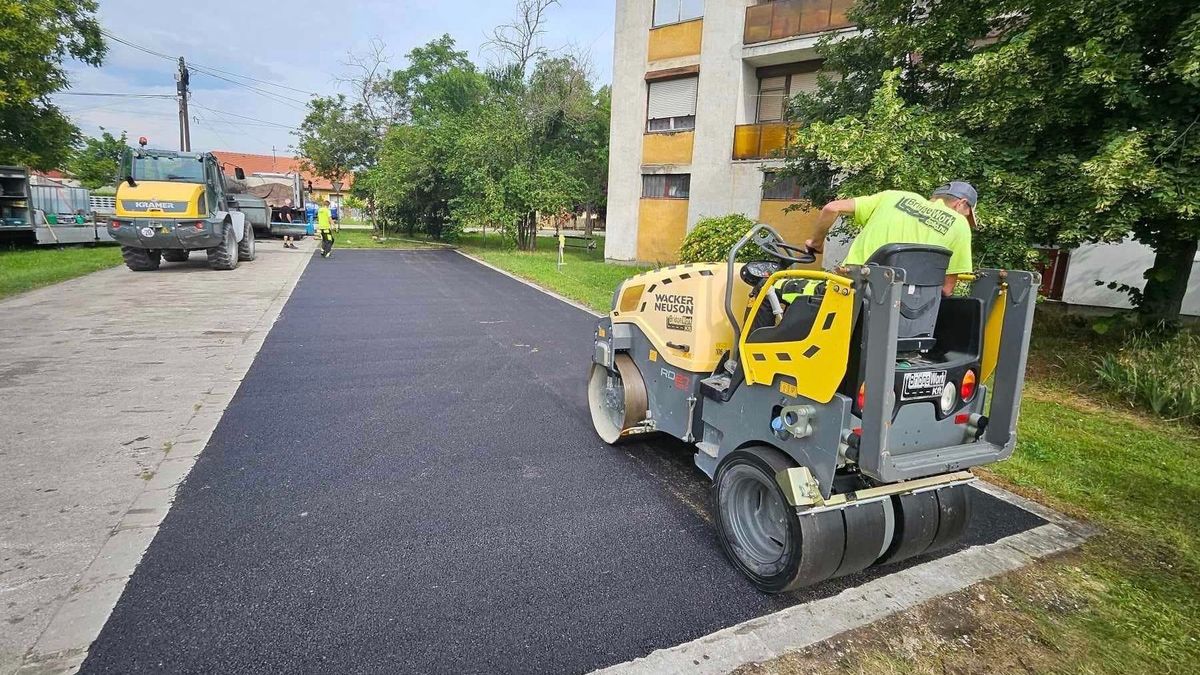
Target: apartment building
pixel 699 115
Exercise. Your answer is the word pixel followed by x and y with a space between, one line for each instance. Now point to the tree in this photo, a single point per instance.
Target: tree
pixel 335 139
pixel 1077 119
pixel 96 161
pixel 35 38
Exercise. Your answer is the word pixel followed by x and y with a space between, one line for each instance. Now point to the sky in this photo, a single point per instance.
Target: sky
pixel 300 47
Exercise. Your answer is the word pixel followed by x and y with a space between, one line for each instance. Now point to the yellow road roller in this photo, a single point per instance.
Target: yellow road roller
pixel 838 415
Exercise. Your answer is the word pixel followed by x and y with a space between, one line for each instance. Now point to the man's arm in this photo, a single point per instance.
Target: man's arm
pixel 829 215
pixel 949 284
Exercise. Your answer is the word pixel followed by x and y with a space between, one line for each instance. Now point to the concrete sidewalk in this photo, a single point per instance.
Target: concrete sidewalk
pixel 110 386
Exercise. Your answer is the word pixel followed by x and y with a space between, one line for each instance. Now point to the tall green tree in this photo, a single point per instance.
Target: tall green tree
pixel 96 161
pixel 334 139
pixel 36 36
pixel 1077 119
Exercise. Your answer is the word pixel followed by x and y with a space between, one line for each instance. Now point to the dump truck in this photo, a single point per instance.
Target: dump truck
pixel 170 203
pixel 838 414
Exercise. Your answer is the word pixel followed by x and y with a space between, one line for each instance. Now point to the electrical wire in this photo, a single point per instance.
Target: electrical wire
pixel 245 117
pixel 212 72
pixel 121 95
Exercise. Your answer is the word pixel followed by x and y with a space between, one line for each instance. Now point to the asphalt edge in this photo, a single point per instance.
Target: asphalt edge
pixel 531 284
pixel 796 627
pixel 63 645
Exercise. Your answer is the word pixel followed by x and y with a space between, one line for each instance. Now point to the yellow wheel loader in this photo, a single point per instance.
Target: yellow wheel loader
pixel 837 415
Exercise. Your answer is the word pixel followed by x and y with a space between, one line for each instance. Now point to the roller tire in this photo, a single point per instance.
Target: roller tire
pixel 809 548
pixel 633 410
pixel 175 254
pixel 247 248
pixel 140 259
pixel 954 513
pixel 225 255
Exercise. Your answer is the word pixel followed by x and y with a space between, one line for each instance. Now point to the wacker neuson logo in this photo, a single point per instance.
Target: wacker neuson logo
pixel 153 205
pixel 674 304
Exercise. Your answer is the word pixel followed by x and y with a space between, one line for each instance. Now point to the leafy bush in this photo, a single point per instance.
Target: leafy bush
pixel 1159 373
pixel 712 238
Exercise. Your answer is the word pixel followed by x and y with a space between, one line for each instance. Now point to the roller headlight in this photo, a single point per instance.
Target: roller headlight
pixel 949 398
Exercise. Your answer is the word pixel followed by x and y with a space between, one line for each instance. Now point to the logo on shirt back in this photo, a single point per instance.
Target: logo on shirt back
pixel 928 214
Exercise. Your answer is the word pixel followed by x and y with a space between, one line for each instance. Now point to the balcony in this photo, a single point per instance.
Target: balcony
pixel 789 18
pixel 766 140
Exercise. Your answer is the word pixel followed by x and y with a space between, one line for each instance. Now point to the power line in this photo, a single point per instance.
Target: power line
pixel 122 95
pixel 245 117
pixel 211 72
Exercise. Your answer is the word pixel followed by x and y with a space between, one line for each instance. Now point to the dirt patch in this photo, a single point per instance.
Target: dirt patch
pixel 992 627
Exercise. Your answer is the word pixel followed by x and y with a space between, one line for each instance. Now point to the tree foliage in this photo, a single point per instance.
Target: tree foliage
pixel 1076 119
pixel 35 38
pixel 336 138
pixel 496 147
pixel 96 161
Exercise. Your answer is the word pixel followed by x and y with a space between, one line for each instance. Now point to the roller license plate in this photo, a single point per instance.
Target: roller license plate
pixel 924 384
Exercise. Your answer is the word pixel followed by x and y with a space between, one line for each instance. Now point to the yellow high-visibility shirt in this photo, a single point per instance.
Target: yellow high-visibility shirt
pixel 324 219
pixel 898 217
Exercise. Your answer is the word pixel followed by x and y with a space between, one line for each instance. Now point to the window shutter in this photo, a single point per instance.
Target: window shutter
pixel 803 82
pixel 770 98
pixel 672 98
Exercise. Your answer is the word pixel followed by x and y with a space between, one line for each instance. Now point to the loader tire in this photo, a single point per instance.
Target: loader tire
pixel 175 254
pixel 224 256
pixel 140 259
pixel 246 247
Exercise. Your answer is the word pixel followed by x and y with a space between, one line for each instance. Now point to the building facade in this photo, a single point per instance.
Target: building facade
pixel 699 116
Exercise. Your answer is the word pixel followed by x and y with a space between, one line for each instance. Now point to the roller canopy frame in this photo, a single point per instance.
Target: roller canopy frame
pixel 881 289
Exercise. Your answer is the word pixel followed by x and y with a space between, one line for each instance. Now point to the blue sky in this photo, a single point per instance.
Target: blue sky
pixel 299 44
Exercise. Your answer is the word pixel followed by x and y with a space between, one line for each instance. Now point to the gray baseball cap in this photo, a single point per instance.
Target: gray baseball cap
pixel 960 190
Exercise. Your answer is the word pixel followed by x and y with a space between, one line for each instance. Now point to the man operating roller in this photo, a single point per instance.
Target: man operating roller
pixel 897 217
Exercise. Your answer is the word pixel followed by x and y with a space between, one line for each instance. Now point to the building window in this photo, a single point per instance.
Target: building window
pixel 666 185
pixel 782 187
pixel 775 91
pixel 675 11
pixel 672 104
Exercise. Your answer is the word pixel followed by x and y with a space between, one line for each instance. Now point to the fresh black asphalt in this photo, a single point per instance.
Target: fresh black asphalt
pixel 408 481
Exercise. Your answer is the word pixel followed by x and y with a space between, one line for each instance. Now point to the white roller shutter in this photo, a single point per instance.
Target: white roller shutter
pixel 672 98
pixel 803 82
pixel 771 98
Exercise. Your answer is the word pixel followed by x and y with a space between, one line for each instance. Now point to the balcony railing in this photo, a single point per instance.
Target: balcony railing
pixel 789 18
pixel 766 140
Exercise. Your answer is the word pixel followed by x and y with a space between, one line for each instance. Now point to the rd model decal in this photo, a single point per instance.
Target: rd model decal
pixel 680 380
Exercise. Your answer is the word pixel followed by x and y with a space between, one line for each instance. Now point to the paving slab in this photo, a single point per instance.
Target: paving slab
pixel 109 386
pixel 429 496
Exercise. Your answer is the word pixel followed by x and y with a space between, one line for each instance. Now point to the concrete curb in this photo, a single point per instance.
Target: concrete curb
pixel 532 285
pixel 63 645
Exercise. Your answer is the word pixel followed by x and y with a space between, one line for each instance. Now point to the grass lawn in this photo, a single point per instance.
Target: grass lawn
pixel 1128 601
pixel 584 278
pixel 361 237
pixel 25 269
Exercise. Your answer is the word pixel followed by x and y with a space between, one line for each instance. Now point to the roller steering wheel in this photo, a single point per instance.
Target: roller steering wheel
pixel 776 248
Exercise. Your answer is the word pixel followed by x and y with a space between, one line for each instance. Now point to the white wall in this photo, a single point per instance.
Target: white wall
pixel 717 111
pixel 628 121
pixel 1123 263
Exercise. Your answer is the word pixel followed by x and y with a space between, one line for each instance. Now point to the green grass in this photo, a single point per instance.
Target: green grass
pixel 25 269
pixel 584 277
pixel 363 238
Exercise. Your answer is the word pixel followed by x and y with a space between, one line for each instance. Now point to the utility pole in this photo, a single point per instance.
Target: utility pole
pixel 185 130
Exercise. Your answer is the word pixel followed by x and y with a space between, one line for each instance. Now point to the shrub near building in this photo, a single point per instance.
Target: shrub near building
pixel 712 238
